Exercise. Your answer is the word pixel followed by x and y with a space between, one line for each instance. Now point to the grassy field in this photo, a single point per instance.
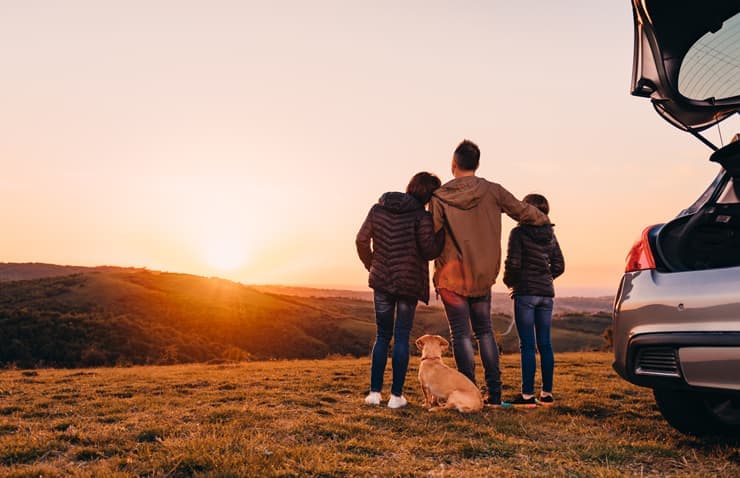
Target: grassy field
pixel 306 418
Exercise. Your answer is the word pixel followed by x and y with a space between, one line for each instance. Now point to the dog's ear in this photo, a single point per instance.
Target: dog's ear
pixel 443 343
pixel 420 343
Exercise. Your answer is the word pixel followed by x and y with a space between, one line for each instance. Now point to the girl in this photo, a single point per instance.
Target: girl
pixel 396 243
pixel 534 259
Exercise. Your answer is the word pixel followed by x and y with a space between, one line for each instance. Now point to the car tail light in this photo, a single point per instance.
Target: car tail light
pixel 640 256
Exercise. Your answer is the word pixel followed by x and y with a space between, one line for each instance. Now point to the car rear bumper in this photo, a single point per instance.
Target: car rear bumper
pixel 707 361
pixel 679 330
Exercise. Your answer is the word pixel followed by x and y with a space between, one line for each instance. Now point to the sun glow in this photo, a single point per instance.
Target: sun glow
pixel 225 254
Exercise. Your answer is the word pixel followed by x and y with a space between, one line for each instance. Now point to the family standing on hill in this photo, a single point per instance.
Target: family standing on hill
pixel 461 231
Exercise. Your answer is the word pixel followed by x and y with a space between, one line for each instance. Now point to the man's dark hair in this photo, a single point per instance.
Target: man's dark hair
pixel 422 185
pixel 539 201
pixel 467 155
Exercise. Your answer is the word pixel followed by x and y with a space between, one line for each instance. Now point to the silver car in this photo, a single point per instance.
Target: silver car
pixel 676 322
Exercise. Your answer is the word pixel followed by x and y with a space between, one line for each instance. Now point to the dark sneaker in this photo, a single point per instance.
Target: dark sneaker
pixel 545 401
pixel 495 401
pixel 521 402
pixel 492 400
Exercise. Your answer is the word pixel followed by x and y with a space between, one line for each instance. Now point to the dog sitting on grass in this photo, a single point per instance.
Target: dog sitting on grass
pixel 444 387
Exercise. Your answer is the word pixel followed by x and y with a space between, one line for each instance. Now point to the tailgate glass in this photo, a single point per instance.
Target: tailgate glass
pixel 711 67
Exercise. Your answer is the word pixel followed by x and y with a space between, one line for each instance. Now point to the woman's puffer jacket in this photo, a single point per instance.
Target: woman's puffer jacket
pixel 396 243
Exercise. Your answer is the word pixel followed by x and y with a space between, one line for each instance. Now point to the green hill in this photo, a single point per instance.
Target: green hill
pixel 123 316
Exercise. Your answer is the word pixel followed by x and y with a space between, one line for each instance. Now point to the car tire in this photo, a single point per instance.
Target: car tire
pixel 699 414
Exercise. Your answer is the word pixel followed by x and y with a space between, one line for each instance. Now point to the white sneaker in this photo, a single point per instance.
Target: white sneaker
pixel 373 398
pixel 397 402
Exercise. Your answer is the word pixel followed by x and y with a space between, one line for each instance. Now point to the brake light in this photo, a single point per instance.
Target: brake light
pixel 640 257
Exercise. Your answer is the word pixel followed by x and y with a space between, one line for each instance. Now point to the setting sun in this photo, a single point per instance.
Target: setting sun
pixel 226 254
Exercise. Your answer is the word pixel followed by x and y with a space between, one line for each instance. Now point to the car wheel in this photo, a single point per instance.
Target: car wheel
pixel 700 414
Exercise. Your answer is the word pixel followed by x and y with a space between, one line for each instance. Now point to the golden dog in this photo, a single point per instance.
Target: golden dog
pixel 439 382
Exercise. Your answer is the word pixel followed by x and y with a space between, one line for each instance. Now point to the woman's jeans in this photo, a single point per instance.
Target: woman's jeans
pixel 462 312
pixel 386 307
pixel 533 316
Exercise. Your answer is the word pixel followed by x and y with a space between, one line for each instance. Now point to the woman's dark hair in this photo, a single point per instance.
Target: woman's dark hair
pixel 422 185
pixel 539 201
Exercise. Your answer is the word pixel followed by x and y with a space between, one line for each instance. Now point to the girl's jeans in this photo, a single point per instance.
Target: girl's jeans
pixel 386 307
pixel 533 315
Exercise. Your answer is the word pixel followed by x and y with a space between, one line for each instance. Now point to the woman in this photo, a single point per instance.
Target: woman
pixel 396 243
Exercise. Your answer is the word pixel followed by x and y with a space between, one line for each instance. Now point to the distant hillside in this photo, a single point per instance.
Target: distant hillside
pixel 10 271
pixel 139 316
pixel 108 316
pixel 366 294
pixel 501 304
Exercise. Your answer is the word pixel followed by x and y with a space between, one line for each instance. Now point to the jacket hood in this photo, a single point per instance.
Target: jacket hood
pixel 463 193
pixel 538 234
pixel 399 202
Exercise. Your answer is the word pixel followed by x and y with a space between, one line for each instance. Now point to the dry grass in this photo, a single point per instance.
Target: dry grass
pixel 305 418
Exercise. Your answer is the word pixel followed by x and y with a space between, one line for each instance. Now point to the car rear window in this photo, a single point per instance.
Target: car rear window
pixel 711 67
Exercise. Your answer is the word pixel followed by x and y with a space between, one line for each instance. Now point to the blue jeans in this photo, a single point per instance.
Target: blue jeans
pixel 462 312
pixel 386 307
pixel 533 316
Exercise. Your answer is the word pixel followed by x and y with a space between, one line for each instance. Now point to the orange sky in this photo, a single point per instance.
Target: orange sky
pixel 249 139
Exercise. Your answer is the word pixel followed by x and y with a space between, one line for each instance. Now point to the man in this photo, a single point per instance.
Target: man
pixel 469 209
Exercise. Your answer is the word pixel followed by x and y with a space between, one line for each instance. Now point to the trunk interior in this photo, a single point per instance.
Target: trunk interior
pixel 707 239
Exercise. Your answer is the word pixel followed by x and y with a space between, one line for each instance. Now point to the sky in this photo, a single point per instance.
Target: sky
pixel 248 139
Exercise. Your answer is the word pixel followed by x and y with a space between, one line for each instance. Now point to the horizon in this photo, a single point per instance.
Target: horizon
pixel 248 140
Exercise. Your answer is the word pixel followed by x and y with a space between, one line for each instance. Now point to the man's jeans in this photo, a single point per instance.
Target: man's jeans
pixel 386 306
pixel 533 315
pixel 462 312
